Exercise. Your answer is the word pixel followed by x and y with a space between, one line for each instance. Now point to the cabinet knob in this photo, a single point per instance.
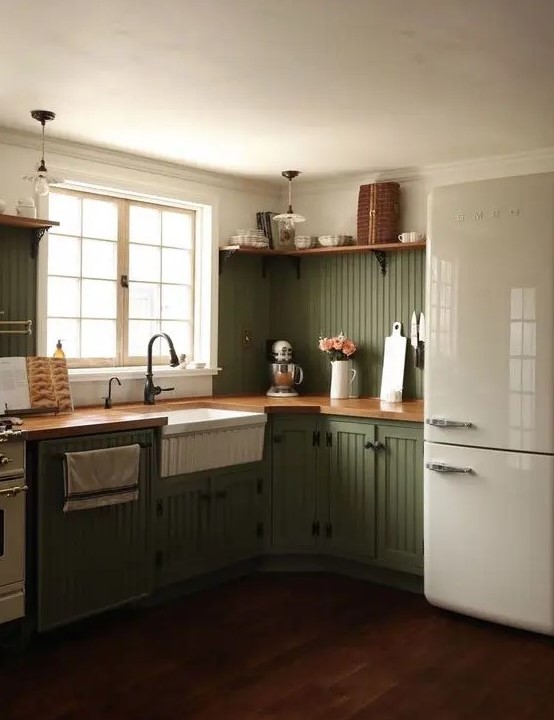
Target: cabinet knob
pixel 5 460
pixel 378 446
pixel 369 445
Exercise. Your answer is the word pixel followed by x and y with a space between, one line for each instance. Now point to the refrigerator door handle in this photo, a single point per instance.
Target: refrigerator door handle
pixel 446 423
pixel 444 468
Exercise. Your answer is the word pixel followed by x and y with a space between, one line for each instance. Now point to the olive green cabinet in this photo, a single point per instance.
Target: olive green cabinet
pixel 351 489
pixel 349 505
pixel 295 479
pixel 399 460
pixel 182 516
pixel 205 521
pixel 95 559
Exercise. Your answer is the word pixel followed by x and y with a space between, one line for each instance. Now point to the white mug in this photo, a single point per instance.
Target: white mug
pixel 410 237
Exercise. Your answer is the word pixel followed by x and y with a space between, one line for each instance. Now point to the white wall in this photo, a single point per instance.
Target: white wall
pixel 330 206
pixel 235 202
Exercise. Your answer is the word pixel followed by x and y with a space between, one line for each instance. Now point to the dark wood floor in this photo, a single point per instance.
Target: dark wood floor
pixel 290 647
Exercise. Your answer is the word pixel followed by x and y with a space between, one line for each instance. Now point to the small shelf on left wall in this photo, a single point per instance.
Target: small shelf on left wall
pixel 37 226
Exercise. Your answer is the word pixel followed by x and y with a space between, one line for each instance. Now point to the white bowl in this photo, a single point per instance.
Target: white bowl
pixel 335 240
pixel 304 242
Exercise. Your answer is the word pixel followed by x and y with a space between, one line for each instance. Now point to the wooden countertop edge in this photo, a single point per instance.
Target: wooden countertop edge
pixel 135 416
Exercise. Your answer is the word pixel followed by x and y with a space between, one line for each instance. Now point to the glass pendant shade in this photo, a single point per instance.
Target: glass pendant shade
pixel 41 179
pixel 290 217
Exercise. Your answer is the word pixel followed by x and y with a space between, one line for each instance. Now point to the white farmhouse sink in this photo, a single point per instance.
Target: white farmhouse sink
pixel 201 419
pixel 203 438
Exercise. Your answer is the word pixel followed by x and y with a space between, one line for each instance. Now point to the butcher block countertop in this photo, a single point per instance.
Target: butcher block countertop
pixel 89 420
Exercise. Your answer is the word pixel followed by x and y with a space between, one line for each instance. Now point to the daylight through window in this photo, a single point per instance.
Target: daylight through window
pixel 119 271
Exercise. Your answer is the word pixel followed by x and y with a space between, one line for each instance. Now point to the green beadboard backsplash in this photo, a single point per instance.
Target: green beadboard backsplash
pixel 334 293
pixel 18 295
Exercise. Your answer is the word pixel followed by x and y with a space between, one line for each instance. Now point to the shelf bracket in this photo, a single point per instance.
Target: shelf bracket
pixel 224 257
pixel 36 237
pixel 381 258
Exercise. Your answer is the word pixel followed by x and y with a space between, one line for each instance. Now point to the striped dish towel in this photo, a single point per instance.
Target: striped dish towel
pixel 95 478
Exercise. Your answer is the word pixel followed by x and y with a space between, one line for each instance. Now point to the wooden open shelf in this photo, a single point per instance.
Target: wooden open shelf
pixel 24 222
pixel 36 225
pixel 380 252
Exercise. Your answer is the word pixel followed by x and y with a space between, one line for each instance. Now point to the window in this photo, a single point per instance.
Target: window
pixel 119 271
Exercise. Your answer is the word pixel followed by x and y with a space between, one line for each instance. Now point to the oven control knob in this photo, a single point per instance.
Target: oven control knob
pixel 4 460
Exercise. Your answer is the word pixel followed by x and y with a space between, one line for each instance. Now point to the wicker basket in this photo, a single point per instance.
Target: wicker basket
pixel 378 213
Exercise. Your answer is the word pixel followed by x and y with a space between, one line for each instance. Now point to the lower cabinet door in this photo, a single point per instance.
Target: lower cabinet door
pixel 294 482
pixel 236 515
pixel 400 498
pixel 351 528
pixel 182 513
pixel 95 559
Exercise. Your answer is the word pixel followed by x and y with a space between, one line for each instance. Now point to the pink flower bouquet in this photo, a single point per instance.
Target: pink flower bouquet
pixel 339 347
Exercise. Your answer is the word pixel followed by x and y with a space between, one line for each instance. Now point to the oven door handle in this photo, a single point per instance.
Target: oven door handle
pixel 13 491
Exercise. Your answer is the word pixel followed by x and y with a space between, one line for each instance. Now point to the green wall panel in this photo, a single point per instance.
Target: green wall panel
pixel 333 293
pixel 18 296
pixel 243 305
pixel 348 293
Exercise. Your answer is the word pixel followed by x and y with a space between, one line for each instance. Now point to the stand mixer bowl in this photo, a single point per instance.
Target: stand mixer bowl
pixel 283 378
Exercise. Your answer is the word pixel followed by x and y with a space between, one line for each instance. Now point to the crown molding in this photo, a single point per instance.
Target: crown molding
pixel 130 161
pixel 344 181
pixel 541 160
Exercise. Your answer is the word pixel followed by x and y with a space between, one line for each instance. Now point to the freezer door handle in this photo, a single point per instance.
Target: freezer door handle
pixel 446 423
pixel 444 468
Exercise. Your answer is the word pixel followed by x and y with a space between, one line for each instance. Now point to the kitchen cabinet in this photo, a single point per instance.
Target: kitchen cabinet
pixel 350 489
pixel 349 505
pixel 295 479
pixel 399 465
pixel 208 520
pixel 95 559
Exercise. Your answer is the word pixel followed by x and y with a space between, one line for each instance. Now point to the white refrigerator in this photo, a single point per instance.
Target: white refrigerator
pixel 489 401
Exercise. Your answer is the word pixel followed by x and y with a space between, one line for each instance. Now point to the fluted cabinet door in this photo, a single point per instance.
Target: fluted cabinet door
pixel 294 483
pixel 182 511
pixel 95 559
pixel 400 497
pixel 352 510
pixel 236 520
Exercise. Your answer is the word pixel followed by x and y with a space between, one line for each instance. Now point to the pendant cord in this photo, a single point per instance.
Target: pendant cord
pixel 42 158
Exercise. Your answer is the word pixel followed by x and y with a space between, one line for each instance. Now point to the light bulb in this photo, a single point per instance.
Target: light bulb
pixel 41 185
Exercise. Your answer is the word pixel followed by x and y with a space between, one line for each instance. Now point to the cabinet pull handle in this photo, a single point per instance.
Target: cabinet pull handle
pixel 444 468
pixel 446 423
pixel 328 530
pixel 378 446
pixel 369 445
pixel 13 491
pixel 315 528
pixel 277 439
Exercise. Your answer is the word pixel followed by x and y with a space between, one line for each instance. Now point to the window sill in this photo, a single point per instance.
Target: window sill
pixel 136 373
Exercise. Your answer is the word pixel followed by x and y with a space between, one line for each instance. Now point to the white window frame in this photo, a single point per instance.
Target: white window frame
pixel 205 285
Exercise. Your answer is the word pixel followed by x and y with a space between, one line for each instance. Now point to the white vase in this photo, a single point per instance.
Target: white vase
pixel 342 375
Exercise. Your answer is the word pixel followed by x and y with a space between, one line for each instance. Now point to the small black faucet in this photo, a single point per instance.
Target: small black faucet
pixel 151 390
pixel 108 400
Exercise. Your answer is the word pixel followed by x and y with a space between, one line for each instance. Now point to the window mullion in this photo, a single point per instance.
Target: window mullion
pixel 122 293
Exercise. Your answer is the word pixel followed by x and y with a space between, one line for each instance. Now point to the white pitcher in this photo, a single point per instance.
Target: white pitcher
pixel 342 376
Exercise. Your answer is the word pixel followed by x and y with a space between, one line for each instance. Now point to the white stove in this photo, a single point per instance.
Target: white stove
pixel 12 522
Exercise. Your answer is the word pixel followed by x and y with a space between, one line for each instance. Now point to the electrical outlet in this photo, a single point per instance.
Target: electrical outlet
pixel 246 339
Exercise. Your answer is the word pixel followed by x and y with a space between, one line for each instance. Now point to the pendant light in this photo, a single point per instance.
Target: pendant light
pixel 290 218
pixel 41 179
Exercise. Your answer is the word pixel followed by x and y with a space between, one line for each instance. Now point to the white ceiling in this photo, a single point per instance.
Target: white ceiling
pixel 256 86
